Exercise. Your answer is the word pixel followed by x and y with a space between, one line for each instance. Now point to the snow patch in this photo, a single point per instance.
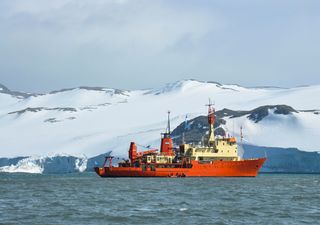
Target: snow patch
pixel 108 120
pixel 81 164
pixel 298 130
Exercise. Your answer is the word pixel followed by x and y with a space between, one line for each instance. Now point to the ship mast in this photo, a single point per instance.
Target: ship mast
pixel 211 120
pixel 166 140
pixel 168 127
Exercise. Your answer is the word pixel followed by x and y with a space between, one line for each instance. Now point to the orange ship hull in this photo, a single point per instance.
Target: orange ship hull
pixel 241 168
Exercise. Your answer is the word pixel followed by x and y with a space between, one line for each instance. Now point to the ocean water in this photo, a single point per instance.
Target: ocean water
pixel 88 199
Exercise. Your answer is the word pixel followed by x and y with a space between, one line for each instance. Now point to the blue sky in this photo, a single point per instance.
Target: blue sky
pixel 131 44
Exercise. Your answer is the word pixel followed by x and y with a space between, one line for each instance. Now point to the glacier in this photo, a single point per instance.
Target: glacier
pixel 51 164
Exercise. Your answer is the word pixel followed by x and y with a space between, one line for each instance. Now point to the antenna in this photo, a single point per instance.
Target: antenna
pixel 233 128
pixel 168 128
pixel 211 109
pixel 183 138
pixel 186 122
pixel 210 103
pixel 240 148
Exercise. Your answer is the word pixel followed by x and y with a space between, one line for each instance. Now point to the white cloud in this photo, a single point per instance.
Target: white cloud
pixel 150 25
pixel 103 42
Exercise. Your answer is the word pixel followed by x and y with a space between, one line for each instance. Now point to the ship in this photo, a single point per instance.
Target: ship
pixel 217 156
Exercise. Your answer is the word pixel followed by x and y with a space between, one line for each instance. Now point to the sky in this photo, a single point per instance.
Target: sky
pixel 47 45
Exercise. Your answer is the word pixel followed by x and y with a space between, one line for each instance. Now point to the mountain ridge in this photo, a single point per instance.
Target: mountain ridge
pixel 4 89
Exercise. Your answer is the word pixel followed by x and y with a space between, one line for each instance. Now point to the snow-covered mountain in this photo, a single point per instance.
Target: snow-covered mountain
pixel 94 120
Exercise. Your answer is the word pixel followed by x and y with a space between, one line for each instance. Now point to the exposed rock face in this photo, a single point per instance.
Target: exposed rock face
pixel 259 113
pixel 38 109
pixel 195 130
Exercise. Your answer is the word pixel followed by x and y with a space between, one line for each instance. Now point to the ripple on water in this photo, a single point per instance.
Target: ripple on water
pixel 88 199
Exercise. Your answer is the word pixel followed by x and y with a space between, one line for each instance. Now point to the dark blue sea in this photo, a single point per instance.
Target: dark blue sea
pixel 88 199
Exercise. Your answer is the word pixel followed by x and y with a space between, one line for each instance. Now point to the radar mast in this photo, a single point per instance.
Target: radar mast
pixel 211 121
